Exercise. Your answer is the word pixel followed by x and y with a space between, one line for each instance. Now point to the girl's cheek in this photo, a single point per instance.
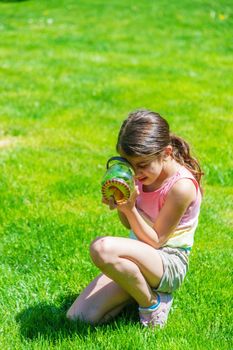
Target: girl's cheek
pixel 138 173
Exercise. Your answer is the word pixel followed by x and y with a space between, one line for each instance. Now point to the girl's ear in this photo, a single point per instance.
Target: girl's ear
pixel 167 151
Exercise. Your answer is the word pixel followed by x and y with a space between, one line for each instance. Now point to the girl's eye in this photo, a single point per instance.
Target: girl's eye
pixel 143 166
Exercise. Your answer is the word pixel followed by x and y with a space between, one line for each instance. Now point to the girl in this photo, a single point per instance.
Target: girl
pixel 162 215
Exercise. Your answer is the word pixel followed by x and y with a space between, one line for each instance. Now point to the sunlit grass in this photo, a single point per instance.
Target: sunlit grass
pixel 70 72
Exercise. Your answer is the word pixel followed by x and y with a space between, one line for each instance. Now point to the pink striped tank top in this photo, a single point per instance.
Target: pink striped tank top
pixel 150 203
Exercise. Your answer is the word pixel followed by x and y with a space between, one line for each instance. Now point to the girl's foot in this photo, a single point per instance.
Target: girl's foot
pixel 156 315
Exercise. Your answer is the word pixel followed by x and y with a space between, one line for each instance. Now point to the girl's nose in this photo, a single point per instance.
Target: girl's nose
pixel 138 173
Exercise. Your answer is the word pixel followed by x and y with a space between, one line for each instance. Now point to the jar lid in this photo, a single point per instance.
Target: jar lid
pixel 119 159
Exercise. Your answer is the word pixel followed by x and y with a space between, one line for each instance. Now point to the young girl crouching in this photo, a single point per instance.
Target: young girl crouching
pixel 162 216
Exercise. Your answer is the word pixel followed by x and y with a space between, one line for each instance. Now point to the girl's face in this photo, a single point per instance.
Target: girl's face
pixel 147 170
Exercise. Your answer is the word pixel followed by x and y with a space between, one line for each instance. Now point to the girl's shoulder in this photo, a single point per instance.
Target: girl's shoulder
pixel 183 179
pixel 183 190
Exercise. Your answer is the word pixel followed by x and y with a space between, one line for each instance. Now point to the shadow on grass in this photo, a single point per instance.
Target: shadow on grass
pixel 48 321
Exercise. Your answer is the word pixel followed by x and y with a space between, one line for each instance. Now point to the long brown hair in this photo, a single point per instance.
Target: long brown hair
pixel 146 133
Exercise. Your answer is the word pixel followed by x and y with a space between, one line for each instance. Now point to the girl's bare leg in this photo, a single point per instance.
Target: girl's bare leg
pixel 134 266
pixel 100 301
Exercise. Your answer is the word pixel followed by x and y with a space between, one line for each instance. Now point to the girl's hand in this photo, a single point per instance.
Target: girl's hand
pixel 111 203
pixel 130 204
pixel 123 207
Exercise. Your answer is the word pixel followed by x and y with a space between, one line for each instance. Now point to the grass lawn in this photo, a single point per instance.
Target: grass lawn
pixel 70 71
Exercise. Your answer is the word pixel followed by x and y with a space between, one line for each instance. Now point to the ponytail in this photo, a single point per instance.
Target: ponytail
pixel 181 153
pixel 146 133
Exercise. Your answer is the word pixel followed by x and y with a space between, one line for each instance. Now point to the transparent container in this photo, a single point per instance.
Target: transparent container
pixel 118 181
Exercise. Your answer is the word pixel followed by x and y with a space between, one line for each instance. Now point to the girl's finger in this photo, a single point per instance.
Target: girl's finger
pixel 137 190
pixel 105 201
pixel 112 204
pixel 135 193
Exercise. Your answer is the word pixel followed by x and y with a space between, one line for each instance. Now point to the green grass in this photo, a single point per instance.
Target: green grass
pixel 70 72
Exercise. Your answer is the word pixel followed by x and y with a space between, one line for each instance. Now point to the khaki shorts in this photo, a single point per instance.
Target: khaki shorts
pixel 175 264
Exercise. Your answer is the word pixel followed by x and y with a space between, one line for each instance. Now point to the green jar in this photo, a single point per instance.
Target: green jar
pixel 118 181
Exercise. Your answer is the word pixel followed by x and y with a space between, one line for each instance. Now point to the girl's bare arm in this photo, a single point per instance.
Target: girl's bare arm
pixel 124 219
pixel 179 198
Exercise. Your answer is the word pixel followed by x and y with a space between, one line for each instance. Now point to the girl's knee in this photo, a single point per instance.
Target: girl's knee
pixel 101 251
pixel 70 315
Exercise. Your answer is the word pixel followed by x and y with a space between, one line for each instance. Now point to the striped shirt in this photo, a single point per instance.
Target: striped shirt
pixel 149 205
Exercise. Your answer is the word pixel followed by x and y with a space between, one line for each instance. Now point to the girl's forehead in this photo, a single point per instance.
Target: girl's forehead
pixel 136 160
